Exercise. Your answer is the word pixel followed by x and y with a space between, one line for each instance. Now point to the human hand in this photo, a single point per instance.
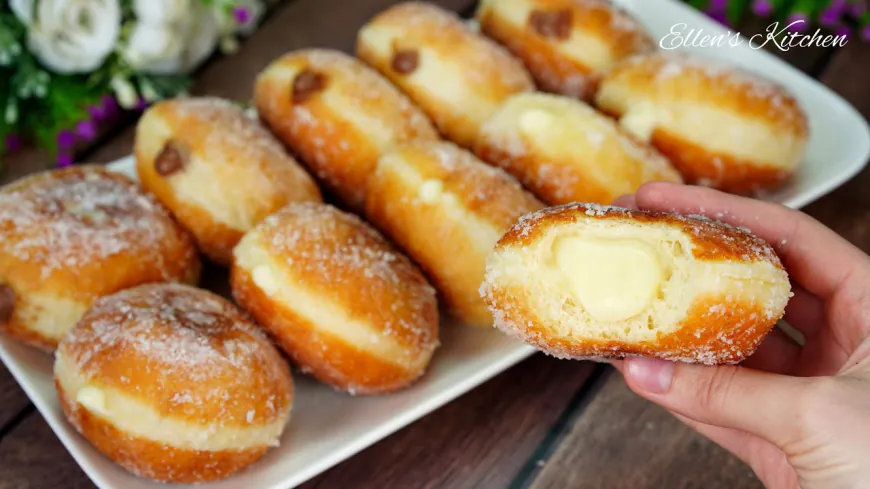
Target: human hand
pixel 799 416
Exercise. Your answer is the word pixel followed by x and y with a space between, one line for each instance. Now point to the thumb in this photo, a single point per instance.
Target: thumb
pixel 763 404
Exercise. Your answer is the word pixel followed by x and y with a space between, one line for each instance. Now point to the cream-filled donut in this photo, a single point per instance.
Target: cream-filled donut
pixel 565 44
pixel 338 115
pixel 68 237
pixel 721 126
pixel 458 77
pixel 446 209
pixel 586 281
pixel 173 383
pixel 564 151
pixel 218 171
pixel 338 298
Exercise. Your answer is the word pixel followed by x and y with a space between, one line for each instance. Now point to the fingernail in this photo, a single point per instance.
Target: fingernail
pixel 651 374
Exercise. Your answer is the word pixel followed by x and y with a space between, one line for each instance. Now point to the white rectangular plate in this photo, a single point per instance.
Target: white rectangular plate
pixel 328 427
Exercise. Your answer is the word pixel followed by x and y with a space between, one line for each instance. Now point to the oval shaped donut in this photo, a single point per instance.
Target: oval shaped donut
pixel 565 44
pixel 338 114
pixel 218 171
pixel 564 151
pixel 721 126
pixel 455 75
pixel 446 209
pixel 586 281
pixel 68 237
pixel 338 298
pixel 173 384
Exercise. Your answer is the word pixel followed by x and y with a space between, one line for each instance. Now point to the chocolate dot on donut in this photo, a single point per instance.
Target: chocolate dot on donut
pixel 306 84
pixel 171 159
pixel 555 24
pixel 405 61
pixel 7 302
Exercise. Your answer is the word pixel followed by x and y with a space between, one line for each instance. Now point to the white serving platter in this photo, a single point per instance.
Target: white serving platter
pixel 328 427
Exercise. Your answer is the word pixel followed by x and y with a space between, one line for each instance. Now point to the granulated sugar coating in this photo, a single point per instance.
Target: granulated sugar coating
pixel 75 218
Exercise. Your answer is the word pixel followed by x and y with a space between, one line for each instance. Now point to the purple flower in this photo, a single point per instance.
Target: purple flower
pixel 865 32
pixel 110 105
pixel 717 5
pixel 762 8
pixel 720 17
pixel 66 139
pixel 832 15
pixel 857 9
pixel 96 112
pixel 797 22
pixel 142 104
pixel 241 15
pixel 64 160
pixel 86 129
pixel 844 31
pixel 13 143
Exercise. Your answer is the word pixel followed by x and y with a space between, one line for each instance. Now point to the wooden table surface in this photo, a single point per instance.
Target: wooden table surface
pixel 544 423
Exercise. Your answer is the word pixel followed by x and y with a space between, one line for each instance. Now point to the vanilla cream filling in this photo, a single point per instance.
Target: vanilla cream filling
pixel 135 417
pixel 276 281
pixel 612 279
pixel 49 315
pixel 640 121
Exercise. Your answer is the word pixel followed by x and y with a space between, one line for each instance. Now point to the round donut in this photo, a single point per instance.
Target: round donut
pixel 218 171
pixel 173 384
pixel 564 151
pixel 446 209
pixel 458 77
pixel 338 115
pixel 68 237
pixel 338 298
pixel 721 126
pixel 586 281
pixel 565 44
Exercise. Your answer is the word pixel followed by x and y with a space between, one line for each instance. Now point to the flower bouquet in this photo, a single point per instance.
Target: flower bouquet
pixel 69 67
pixel 844 17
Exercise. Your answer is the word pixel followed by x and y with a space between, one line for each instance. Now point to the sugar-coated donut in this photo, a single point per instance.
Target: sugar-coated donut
pixel 173 383
pixel 721 126
pixel 586 281
pixel 338 115
pixel 338 298
pixel 457 76
pixel 446 209
pixel 218 171
pixel 565 44
pixel 68 237
pixel 565 151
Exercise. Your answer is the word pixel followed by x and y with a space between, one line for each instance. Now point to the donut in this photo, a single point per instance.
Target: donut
pixel 68 237
pixel 338 115
pixel 458 77
pixel 446 209
pixel 721 126
pixel 173 384
pixel 343 304
pixel 217 170
pixel 565 44
pixel 588 281
pixel 564 151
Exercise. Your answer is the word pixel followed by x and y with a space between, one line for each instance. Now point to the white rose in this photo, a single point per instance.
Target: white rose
pixel 23 9
pixel 72 36
pixel 155 48
pixel 161 12
pixel 202 30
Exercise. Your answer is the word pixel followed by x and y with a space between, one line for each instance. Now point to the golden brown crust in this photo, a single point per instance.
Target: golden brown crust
pixel 712 240
pixel 325 356
pixel 337 258
pixel 451 247
pixel 324 126
pixel 77 234
pixel 146 458
pixel 715 328
pixel 231 152
pixel 440 37
pixel 544 55
pixel 154 341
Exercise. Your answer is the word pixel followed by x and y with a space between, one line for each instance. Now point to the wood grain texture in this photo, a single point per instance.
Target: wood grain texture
pixel 12 399
pixel 621 441
pixel 481 440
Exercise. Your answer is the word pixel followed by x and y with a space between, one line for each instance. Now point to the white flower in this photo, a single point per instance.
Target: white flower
pixel 162 12
pixel 201 30
pixel 155 48
pixel 70 36
pixel 125 92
